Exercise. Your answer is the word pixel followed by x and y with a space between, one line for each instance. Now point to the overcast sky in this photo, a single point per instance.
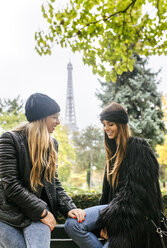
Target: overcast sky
pixel 23 71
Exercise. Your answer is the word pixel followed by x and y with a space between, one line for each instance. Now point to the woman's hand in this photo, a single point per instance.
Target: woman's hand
pixel 49 220
pixel 103 233
pixel 78 214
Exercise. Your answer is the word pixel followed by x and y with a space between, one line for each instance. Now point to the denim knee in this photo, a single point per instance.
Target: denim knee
pixel 37 235
pixel 73 226
pixel 11 237
pixel 69 224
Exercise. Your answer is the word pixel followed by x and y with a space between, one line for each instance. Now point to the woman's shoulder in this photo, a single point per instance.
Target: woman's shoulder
pixel 138 145
pixel 138 149
pixel 137 141
pixel 141 158
pixel 12 135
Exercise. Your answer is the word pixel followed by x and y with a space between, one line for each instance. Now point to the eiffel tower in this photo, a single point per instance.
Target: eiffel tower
pixel 70 118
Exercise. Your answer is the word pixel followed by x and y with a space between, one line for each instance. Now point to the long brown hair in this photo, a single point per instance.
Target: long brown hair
pixel 115 155
pixel 42 152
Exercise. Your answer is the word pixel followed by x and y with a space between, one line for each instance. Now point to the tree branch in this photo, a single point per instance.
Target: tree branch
pixel 106 18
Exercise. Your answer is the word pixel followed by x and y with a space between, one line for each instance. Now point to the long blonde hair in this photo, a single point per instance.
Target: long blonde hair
pixel 42 152
pixel 115 152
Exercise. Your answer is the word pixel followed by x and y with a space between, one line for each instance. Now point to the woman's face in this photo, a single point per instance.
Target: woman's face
pixel 52 121
pixel 111 129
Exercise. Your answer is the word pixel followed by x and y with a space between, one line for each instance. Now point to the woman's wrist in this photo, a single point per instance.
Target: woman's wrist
pixel 44 214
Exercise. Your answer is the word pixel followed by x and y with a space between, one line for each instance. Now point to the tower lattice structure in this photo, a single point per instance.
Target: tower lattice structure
pixel 70 118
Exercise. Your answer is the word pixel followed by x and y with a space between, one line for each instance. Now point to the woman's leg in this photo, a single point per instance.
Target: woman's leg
pixel 81 232
pixel 37 235
pixel 11 237
pixel 106 244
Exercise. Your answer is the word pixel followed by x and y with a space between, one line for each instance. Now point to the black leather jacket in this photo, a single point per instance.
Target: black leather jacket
pixel 19 205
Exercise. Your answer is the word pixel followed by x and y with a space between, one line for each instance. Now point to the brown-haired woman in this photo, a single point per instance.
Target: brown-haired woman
pixel 30 193
pixel 131 196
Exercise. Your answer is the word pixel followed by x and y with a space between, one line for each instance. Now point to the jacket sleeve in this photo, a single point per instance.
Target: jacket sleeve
pixel 135 199
pixel 14 190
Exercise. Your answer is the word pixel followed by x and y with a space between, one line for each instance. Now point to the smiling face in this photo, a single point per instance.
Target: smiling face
pixel 52 121
pixel 111 129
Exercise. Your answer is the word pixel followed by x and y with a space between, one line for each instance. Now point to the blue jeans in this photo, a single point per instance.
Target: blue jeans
pixel 81 232
pixel 36 235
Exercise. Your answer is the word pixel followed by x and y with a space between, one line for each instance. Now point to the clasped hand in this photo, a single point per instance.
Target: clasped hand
pixel 49 220
pixel 78 214
pixel 103 233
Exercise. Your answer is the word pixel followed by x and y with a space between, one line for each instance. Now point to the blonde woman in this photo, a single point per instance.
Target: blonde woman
pixel 131 196
pixel 30 192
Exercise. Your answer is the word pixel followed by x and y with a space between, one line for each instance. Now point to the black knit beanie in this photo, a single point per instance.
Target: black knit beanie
pixel 39 106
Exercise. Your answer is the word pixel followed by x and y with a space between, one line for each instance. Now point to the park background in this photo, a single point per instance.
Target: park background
pixel 23 72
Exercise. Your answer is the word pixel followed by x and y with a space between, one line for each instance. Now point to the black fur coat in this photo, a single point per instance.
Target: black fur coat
pixel 135 200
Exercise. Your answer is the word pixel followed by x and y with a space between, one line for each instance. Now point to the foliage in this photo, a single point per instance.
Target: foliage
pixel 13 106
pixel 11 113
pixel 164 191
pixel 162 152
pixel 137 91
pixel 165 204
pixel 89 146
pixel 162 149
pixel 164 107
pixel 89 150
pixel 83 200
pixel 107 32
pixel 66 154
pixel 76 181
pixel 86 200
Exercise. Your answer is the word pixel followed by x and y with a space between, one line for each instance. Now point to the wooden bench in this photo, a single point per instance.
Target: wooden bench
pixel 60 239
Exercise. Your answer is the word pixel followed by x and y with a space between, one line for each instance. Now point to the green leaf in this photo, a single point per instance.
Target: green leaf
pixel 114 30
pixel 49 20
